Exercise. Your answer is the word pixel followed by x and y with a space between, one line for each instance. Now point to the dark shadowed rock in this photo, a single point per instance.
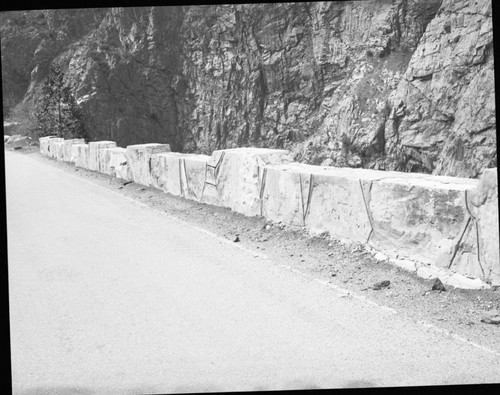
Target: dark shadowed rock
pixel 381 284
pixel 438 285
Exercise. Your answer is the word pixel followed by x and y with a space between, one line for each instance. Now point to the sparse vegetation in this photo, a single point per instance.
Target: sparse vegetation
pixel 57 112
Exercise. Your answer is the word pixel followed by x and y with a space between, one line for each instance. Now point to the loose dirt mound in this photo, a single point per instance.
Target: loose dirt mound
pixel 19 142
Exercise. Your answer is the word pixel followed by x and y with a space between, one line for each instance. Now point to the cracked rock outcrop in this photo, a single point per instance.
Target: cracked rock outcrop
pixel 393 85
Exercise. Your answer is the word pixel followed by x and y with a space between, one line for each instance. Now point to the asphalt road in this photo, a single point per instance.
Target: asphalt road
pixel 108 296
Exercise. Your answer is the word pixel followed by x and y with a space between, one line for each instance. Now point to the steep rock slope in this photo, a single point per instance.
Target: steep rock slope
pixel 402 84
pixel 278 74
pixel 448 89
pixel 31 40
pixel 124 74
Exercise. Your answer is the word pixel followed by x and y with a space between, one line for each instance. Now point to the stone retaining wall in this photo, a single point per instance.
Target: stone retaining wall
pixel 94 152
pixel 139 159
pixel 53 146
pixel 118 163
pixel 433 225
pixel 179 174
pixel 67 148
pixel 415 217
pixel 104 158
pixel 44 145
pixel 58 150
pixel 80 155
pixel 234 176
pixel 482 205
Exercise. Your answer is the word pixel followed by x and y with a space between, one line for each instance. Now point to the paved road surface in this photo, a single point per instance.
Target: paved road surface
pixel 107 296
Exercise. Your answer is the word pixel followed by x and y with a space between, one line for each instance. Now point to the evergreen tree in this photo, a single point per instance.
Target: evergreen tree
pixel 58 112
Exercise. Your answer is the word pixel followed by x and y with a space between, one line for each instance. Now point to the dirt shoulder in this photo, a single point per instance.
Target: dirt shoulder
pixel 350 267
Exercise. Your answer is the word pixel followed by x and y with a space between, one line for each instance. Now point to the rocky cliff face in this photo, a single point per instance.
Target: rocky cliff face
pixel 448 89
pixel 31 40
pixel 402 84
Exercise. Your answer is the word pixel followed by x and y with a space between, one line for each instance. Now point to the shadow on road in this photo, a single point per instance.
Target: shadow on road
pixel 359 384
pixel 56 391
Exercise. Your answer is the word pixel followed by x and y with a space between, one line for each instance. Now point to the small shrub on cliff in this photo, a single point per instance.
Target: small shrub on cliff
pixel 57 111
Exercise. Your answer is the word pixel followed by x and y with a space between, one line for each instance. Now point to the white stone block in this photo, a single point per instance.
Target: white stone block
pixel 80 155
pixel 139 158
pixel 324 199
pixel 234 177
pixel 44 144
pixel 418 218
pixel 179 174
pixel 94 148
pixel 483 203
pixel 119 167
pixel 58 150
pixel 52 150
pixel 67 148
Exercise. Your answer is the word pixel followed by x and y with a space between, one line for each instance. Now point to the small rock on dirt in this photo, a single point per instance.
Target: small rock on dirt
pixel 491 317
pixel 236 239
pixel 438 285
pixel 381 284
